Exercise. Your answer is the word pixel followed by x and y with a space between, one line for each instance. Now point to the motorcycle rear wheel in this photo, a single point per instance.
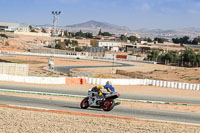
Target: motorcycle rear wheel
pixel 108 104
pixel 84 103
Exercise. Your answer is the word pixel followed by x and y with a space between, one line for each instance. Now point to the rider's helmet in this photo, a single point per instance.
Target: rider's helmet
pixel 108 83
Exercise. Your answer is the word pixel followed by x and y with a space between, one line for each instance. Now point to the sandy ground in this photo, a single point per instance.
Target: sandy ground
pixel 155 71
pixel 36 64
pixel 26 121
pixel 141 70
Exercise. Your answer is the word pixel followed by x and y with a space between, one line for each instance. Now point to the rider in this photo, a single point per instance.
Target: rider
pixel 109 87
pixel 101 91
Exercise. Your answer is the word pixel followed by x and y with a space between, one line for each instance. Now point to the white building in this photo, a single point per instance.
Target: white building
pixel 14 27
pixel 109 45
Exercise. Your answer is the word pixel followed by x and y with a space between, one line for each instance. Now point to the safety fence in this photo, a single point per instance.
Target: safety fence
pixel 43 80
pixel 97 81
pixel 158 83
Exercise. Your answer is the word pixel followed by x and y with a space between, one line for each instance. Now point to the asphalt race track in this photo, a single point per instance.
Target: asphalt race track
pixel 66 69
pixel 117 111
pixel 82 92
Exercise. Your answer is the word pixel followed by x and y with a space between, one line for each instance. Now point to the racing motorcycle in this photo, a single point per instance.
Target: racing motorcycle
pixel 105 101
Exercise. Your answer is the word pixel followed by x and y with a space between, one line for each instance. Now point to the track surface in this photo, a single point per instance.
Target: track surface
pixel 117 111
pixel 66 69
pixel 84 92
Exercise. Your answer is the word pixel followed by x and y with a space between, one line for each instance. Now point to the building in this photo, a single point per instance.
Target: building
pixel 13 27
pixel 109 45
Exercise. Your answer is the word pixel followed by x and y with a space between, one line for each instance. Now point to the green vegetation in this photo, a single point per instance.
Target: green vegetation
pixel 186 40
pixel 3 35
pixel 131 38
pixel 160 40
pixel 187 58
pixel 32 29
pixel 68 43
pixel 78 35
pixel 104 33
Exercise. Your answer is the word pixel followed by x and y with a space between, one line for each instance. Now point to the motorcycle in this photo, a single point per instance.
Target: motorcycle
pixel 105 101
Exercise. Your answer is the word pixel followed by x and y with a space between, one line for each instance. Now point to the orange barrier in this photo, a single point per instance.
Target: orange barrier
pixel 83 81
pixel 70 81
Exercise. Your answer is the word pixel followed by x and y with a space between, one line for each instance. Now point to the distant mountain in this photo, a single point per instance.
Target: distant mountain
pixel 191 32
pixel 95 26
pixel 44 26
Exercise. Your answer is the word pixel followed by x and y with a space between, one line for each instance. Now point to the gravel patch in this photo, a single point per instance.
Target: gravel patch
pixel 24 121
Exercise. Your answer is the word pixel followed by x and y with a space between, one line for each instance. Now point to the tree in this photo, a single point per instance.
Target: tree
pixel 74 43
pixel 88 35
pixel 79 34
pixel 132 38
pixel 3 35
pixel 106 34
pixel 67 42
pixel 195 41
pixel 100 32
pixel 31 28
pixel 66 34
pixel 160 40
pixel 123 38
pixel 198 60
pixel 153 55
pixel 189 57
pixel 147 39
pixel 43 30
pixel 186 40
pixel 61 45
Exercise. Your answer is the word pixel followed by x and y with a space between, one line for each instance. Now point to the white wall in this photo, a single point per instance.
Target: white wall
pixel 158 83
pixel 34 80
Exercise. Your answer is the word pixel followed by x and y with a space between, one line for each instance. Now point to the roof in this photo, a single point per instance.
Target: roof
pixel 9 24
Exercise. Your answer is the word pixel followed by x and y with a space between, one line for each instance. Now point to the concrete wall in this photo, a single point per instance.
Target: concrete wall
pixel 43 80
pixel 14 69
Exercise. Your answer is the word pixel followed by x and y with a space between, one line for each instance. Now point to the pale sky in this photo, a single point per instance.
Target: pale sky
pixel 135 14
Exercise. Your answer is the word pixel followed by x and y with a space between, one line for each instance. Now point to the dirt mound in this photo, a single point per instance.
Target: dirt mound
pixel 13 43
pixel 13 46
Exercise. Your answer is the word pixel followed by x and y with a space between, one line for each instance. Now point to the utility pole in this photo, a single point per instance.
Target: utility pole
pixel 55 17
pixel 113 64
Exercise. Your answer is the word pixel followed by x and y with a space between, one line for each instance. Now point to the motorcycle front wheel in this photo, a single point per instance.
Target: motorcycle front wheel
pixel 84 103
pixel 108 104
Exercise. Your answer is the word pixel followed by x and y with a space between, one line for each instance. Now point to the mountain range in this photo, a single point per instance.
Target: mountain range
pixel 94 27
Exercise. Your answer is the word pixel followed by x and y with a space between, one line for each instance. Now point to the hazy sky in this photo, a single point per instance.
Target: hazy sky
pixel 135 14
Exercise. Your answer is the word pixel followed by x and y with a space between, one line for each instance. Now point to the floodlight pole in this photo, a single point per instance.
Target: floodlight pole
pixel 55 17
